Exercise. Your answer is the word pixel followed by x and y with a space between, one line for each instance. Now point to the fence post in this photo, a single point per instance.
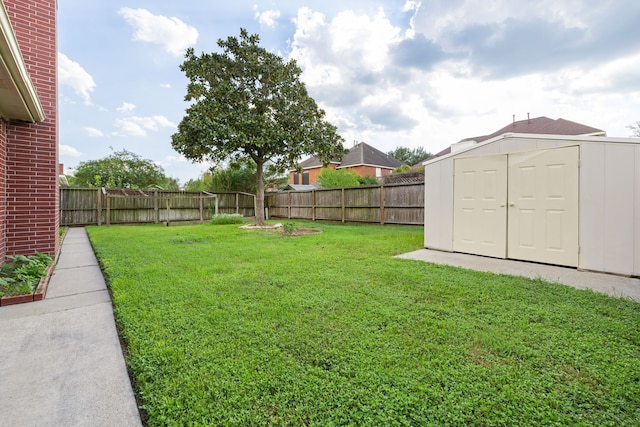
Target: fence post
pixel 99 206
pixel 202 208
pixel 238 204
pixel 289 206
pixel 344 209
pixel 168 211
pixel 382 204
pixel 156 210
pixel 108 210
pixel 313 205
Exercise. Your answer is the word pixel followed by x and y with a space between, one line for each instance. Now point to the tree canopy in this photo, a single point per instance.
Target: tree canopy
pixel 409 156
pixel 240 178
pixel 249 104
pixel 122 169
pixel 635 129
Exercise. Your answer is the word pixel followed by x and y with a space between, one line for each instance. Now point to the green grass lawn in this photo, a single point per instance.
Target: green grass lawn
pixel 231 327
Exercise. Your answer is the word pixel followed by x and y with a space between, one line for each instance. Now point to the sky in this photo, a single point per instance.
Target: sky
pixel 389 73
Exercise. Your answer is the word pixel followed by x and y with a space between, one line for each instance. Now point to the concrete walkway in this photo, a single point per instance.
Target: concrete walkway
pixel 609 284
pixel 61 363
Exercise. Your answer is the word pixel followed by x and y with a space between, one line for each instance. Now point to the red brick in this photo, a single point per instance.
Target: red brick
pixel 29 152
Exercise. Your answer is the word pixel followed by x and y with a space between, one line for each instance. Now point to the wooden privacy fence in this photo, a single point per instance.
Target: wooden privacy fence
pixel 89 206
pixel 385 204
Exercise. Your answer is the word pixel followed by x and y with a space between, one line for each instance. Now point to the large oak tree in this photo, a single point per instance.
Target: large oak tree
pixel 248 103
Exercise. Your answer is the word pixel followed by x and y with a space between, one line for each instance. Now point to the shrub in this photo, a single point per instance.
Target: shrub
pixel 227 219
pixel 368 180
pixel 21 274
pixel 331 178
pixel 289 228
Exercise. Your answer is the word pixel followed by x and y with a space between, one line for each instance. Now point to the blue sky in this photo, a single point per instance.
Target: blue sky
pixel 390 73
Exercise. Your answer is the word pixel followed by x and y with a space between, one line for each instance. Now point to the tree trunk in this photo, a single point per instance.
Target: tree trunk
pixel 259 194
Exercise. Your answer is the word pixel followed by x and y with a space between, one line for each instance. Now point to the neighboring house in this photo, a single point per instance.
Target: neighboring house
pixel 538 126
pixel 362 159
pixel 29 210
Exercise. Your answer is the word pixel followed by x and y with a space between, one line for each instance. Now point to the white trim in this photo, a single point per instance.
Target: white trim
pixel 13 67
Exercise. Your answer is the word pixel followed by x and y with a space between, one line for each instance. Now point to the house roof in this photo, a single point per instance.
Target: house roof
pixel 361 154
pixel 300 187
pixel 314 162
pixel 18 97
pixel 364 154
pixel 538 126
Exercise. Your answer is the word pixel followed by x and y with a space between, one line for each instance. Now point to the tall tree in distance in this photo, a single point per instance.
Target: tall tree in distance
pixel 249 104
pixel 409 156
pixel 122 169
pixel 635 129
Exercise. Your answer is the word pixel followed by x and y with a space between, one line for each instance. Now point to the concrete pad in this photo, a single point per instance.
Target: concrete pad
pixel 65 369
pixel 71 281
pixel 53 305
pixel 616 286
pixel 77 259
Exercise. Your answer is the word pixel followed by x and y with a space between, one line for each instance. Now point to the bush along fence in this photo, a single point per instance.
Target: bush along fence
pixel 101 206
pixel 384 204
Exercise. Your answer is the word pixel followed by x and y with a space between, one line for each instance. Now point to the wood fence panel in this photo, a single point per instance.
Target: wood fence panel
pixel 81 206
pixel 393 204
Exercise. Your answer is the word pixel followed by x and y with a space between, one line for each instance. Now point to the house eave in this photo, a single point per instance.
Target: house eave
pixel 364 164
pixel 18 97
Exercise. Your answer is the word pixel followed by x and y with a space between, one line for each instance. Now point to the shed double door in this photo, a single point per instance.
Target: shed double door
pixel 519 206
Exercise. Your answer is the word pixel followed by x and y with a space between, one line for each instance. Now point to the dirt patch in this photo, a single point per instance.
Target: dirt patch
pixel 262 227
pixel 303 232
pixel 283 230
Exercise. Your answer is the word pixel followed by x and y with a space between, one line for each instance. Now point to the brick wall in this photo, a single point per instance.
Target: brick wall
pixel 314 173
pixel 31 197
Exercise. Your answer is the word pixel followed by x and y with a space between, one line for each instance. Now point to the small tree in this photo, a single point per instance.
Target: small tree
pixel 635 129
pixel 122 169
pixel 248 104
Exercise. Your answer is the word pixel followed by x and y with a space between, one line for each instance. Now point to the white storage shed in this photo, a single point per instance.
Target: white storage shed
pixel 564 200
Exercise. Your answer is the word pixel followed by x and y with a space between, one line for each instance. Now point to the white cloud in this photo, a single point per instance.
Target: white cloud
pixel 170 32
pixel 138 126
pixel 71 73
pixel 411 5
pixel 67 150
pixel 93 132
pixel 126 108
pixel 268 18
pixel 165 85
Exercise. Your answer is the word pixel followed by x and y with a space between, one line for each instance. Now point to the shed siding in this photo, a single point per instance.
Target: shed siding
pixel 636 221
pixel 592 210
pixel 438 206
pixel 618 202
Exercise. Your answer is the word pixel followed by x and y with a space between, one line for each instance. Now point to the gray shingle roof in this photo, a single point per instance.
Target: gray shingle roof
pixel 364 154
pixel 539 125
pixel 542 126
pixel 361 154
